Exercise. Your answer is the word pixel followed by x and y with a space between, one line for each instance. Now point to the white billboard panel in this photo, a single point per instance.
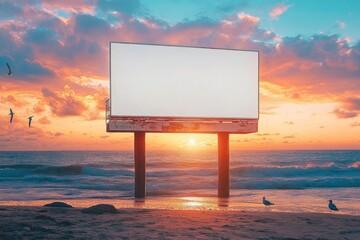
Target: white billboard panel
pixel 173 81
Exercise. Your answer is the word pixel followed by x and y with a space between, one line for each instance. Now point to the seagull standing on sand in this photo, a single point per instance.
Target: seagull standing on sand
pixel 267 203
pixel 30 119
pixel 9 69
pixel 332 206
pixel 11 115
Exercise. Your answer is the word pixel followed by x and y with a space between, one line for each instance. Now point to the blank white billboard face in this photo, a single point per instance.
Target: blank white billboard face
pixel 170 81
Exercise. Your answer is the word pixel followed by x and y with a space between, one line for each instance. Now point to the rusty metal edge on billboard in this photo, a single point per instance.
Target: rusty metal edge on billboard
pixel 158 124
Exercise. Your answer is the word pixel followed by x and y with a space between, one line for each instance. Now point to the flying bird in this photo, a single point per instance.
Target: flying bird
pixel 11 115
pixel 266 202
pixel 332 206
pixel 9 69
pixel 30 119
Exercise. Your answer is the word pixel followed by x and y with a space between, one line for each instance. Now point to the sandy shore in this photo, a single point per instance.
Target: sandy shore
pixel 20 222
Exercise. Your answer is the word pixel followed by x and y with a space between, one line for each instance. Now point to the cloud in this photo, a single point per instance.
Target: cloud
pixel 278 10
pixel 263 134
pixel 352 103
pixel 12 101
pixel 290 136
pixel 8 10
pixel 82 6
pixel 65 103
pixel 355 124
pixel 20 57
pixel 57 134
pixel 341 24
pixel 317 65
pixel 41 36
pixel 344 114
pixel 350 108
pixel 44 120
pixel 89 25
pixel 18 133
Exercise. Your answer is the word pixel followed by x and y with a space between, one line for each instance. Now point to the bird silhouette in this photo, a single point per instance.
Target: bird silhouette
pixel 267 203
pixel 332 206
pixel 9 69
pixel 30 119
pixel 11 115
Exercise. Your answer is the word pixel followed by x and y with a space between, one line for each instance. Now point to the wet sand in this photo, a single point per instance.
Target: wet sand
pixel 34 222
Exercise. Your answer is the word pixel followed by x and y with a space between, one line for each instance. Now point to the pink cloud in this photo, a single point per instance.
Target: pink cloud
pixel 344 114
pixel 352 103
pixel 341 24
pixel 350 108
pixel 313 65
pixel 278 10
pixel 65 103
pixel 248 18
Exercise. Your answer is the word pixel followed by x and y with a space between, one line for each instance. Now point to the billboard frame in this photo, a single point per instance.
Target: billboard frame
pixel 158 124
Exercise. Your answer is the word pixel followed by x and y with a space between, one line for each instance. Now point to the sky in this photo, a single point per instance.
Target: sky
pixel 59 55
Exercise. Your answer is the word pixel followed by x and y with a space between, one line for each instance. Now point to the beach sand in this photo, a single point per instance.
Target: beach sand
pixel 34 222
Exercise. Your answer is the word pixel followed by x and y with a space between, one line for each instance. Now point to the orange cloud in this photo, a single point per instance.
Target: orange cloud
pixel 12 101
pixel 44 120
pixel 76 6
pixel 65 103
pixel 355 124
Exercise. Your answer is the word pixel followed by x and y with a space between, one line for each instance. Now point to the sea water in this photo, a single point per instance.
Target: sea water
pixel 293 180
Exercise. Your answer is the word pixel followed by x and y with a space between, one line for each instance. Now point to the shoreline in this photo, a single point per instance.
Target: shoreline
pixel 249 201
pixel 34 222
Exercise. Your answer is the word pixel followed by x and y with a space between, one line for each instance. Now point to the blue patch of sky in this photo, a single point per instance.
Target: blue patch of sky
pixel 304 17
pixel 309 17
pixel 63 14
pixel 174 11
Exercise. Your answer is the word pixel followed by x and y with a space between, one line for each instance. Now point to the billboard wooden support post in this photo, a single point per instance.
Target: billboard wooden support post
pixel 139 158
pixel 223 165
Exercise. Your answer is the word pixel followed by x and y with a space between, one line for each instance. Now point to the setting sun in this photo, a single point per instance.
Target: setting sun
pixel 191 142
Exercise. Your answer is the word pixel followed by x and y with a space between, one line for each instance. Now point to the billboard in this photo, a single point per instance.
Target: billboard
pixel 163 81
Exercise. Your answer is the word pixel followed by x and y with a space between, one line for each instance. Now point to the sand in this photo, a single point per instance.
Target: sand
pixel 22 222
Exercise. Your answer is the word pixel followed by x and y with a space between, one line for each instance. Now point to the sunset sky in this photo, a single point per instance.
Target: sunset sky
pixel 59 54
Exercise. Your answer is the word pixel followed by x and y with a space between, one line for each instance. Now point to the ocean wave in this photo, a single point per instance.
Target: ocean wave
pixel 355 165
pixel 300 183
pixel 22 170
pixel 96 176
pixel 296 171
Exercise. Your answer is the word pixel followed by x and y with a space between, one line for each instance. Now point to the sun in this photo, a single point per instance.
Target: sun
pixel 191 142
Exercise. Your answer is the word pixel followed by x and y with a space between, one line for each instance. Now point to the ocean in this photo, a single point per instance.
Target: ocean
pixel 296 180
